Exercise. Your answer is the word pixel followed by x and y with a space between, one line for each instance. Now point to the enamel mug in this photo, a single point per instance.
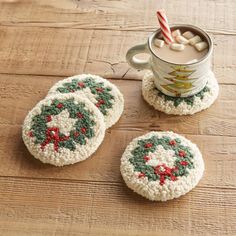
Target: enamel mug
pixel 176 80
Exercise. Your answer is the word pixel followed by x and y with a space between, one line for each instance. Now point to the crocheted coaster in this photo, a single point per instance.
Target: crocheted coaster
pixel 63 129
pixel 161 165
pixel 105 95
pixel 179 105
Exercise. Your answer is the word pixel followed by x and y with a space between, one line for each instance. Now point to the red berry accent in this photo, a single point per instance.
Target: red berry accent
pixel 48 118
pixel 65 138
pixel 80 115
pixel 172 142
pixel 157 170
pixel 141 175
pixel 72 90
pixel 168 171
pixel 31 134
pixel 76 134
pixel 184 163
pixel 146 158
pixel 162 179
pixel 173 177
pixel 99 90
pixel 81 84
pixel 100 102
pixel 83 130
pixel 148 145
pixel 60 105
pixel 182 153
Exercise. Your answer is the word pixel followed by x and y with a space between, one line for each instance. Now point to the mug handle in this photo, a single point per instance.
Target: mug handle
pixel 135 62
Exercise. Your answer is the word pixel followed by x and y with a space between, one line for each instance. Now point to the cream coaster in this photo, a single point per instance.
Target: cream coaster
pixel 179 105
pixel 161 165
pixel 105 95
pixel 63 129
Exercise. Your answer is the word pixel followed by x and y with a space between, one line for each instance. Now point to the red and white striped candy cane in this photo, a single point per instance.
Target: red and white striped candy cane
pixel 165 29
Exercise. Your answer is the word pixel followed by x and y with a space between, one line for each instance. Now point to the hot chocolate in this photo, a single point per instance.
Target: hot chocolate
pixel 188 47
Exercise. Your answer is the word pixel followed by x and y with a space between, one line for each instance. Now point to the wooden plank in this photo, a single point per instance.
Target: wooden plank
pixel 64 52
pixel 110 209
pixel 217 16
pixel 218 152
pixel 19 94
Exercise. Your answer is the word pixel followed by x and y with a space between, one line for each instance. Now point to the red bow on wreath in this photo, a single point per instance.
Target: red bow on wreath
pixel 163 171
pixel 52 134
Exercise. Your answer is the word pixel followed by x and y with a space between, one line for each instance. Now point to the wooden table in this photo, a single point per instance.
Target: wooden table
pixel 44 41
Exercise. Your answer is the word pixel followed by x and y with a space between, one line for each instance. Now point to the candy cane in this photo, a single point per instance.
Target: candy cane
pixel 165 29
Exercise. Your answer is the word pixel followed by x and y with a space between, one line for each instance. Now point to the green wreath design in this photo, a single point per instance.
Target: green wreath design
pixel 83 128
pixel 183 162
pixel 189 100
pixel 102 93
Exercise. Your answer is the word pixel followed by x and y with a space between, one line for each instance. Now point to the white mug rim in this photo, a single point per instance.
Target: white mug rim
pixel 152 36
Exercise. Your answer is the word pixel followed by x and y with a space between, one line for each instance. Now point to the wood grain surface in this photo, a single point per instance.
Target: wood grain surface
pixel 44 41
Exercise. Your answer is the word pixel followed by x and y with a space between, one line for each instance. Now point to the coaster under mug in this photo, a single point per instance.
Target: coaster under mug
pixel 180 105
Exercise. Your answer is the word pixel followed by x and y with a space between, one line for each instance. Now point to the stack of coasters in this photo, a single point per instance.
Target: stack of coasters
pixel 103 94
pixel 180 105
pixel 161 165
pixel 69 124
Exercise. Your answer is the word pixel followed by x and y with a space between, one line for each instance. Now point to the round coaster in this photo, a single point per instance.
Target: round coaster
pixel 161 165
pixel 179 105
pixel 105 95
pixel 63 129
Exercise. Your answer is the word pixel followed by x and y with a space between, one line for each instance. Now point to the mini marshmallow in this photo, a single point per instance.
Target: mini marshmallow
pixel 188 34
pixel 181 39
pixel 194 40
pixel 177 47
pixel 201 46
pixel 176 33
pixel 159 43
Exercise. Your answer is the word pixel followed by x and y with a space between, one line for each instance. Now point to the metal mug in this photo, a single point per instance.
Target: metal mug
pixel 176 80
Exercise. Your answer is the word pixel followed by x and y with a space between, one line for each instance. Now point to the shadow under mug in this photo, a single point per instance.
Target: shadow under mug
pixel 176 80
